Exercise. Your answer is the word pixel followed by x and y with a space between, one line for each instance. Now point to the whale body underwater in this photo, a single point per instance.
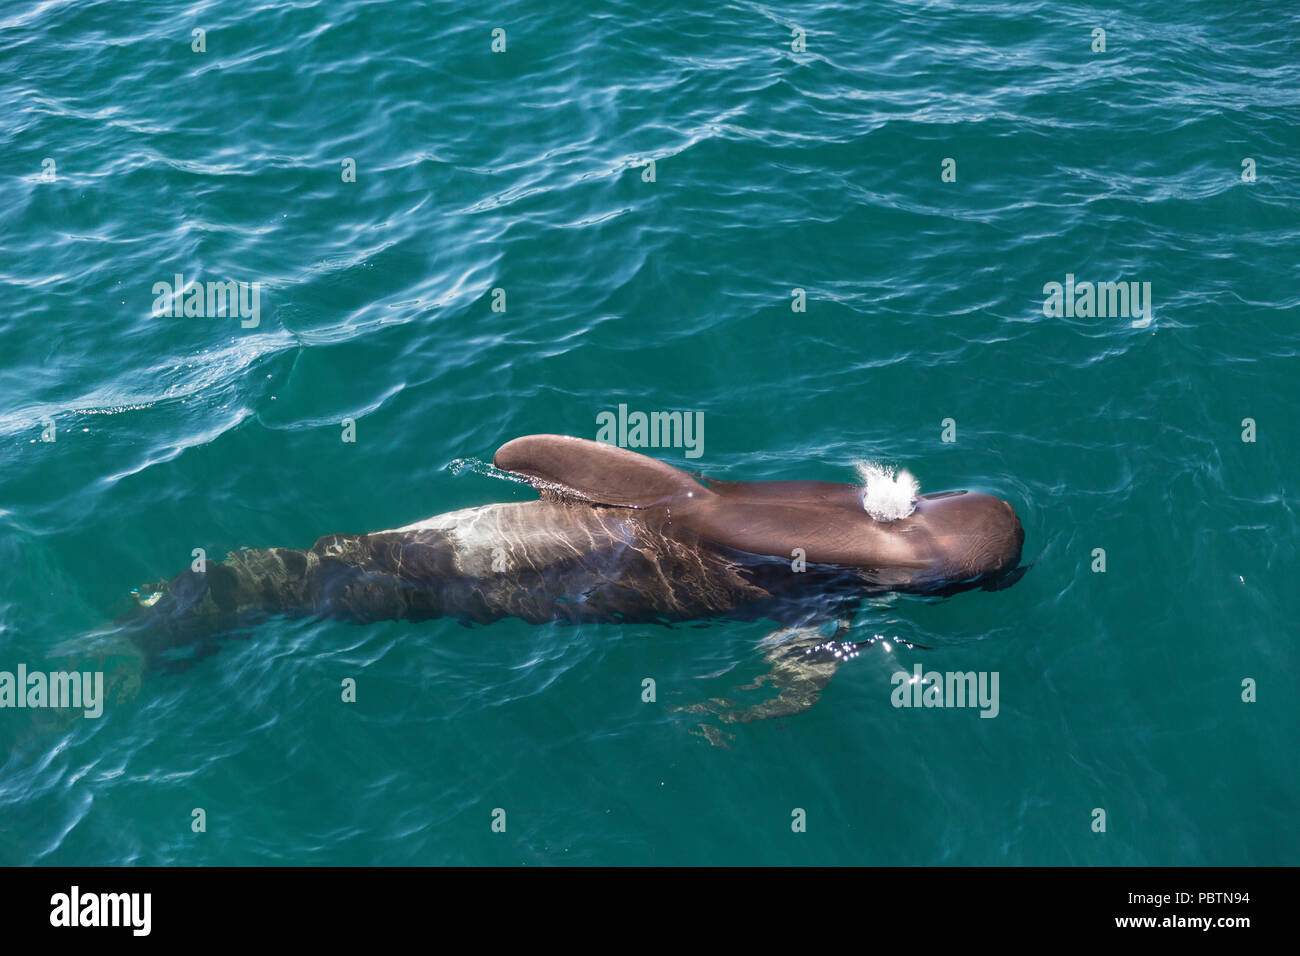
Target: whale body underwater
pixel 615 536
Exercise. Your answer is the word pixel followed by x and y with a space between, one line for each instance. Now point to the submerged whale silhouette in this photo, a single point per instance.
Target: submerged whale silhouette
pixel 614 536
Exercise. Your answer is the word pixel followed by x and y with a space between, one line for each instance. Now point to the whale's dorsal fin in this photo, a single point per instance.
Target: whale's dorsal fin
pixel 594 471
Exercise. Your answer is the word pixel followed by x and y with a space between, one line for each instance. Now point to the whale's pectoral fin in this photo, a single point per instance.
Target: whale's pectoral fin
pixel 802 662
pixel 594 471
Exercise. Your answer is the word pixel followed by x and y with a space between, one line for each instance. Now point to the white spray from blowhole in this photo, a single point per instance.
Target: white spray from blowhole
pixel 887 495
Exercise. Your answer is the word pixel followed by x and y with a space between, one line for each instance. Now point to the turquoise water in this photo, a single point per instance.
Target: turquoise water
pixel 524 170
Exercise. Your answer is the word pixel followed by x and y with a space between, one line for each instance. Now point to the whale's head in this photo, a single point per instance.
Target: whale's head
pixel 961 539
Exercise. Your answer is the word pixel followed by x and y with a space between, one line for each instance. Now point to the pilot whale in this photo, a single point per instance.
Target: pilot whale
pixel 613 536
